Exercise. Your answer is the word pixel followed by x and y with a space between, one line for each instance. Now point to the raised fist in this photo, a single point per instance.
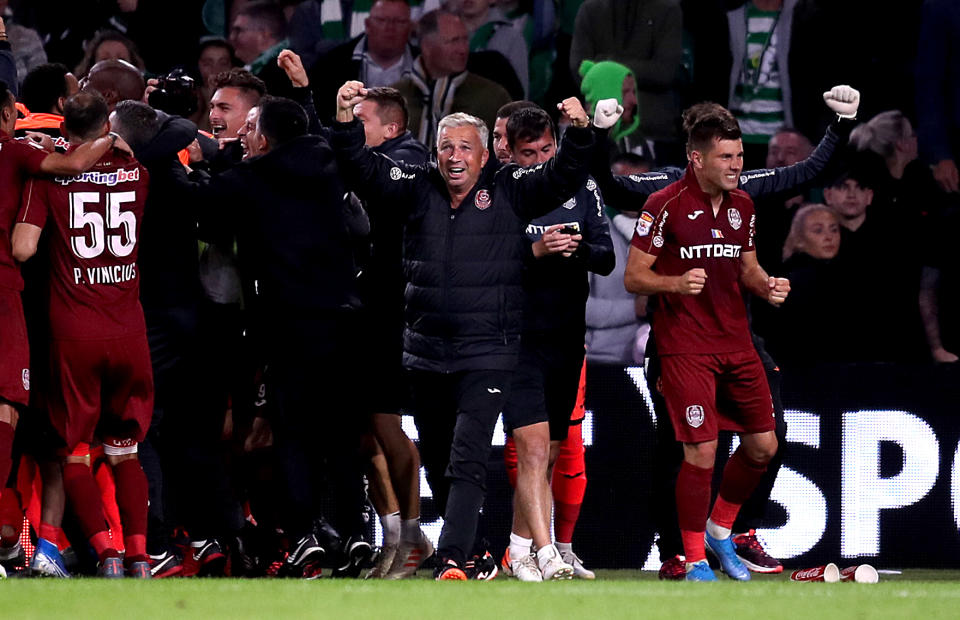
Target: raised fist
pixel 844 100
pixel 607 113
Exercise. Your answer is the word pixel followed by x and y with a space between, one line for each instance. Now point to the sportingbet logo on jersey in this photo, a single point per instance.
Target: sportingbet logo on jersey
pixel 102 178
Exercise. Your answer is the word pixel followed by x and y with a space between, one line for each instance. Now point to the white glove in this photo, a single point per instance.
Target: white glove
pixel 607 113
pixel 844 100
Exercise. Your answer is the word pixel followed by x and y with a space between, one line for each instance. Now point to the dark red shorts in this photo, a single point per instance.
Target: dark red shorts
pixel 102 387
pixel 15 357
pixel 693 385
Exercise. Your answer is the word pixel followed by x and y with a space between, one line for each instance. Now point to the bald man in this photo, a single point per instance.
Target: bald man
pixel 117 80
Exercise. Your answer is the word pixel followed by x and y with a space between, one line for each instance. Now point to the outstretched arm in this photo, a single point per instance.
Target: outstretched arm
pixel 843 100
pixel 83 157
pixel 373 177
pixel 538 190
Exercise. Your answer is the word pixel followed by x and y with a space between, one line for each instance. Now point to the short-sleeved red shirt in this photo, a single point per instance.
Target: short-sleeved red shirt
pixel 19 159
pixel 96 216
pixel 677 226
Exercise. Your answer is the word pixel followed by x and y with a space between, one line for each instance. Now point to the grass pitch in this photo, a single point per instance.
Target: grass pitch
pixel 615 594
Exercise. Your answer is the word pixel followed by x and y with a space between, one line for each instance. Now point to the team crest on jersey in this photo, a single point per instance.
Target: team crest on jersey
pixel 658 241
pixel 734 216
pixel 644 224
pixel 25 377
pixel 570 203
pixel 695 416
pixel 482 201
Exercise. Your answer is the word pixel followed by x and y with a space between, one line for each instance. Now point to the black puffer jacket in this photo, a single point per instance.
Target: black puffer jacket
pixel 463 266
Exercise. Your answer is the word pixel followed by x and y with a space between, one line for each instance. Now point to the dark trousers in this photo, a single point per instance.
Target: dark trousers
pixel 668 455
pixel 455 416
pixel 311 371
pixel 182 455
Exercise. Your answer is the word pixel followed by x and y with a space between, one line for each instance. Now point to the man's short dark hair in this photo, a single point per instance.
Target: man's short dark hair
pixel 430 22
pixel 391 106
pixel 84 114
pixel 136 122
pixel 43 86
pixel 527 124
pixel 706 122
pixel 509 108
pixel 242 79
pixel 269 15
pixel 281 120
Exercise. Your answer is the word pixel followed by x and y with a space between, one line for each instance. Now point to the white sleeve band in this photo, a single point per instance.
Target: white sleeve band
pixel 119 450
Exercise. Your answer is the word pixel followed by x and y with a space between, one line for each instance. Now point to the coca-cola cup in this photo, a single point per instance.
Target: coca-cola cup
pixel 862 573
pixel 829 574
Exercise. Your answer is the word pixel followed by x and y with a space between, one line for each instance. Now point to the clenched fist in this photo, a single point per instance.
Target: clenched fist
pixel 778 289
pixel 692 282
pixel 572 107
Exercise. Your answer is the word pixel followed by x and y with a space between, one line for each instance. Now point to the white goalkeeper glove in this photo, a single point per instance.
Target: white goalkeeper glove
pixel 844 100
pixel 607 113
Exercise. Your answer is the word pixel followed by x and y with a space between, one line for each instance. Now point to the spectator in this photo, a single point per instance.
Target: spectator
pixel 611 80
pixel 25 42
pixel 644 35
pixel 809 328
pixel 901 181
pixel 215 56
pixel 258 35
pixel 381 56
pixel 759 90
pixel 490 29
pixel 787 147
pixel 317 26
pixel 870 335
pixel 617 327
pixel 440 83
pixel 938 91
pixel 108 45
pixel 538 23
pixel 940 287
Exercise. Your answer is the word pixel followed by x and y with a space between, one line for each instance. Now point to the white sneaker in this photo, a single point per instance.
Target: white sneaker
pixel 526 569
pixel 579 570
pixel 383 562
pixel 552 565
pixel 409 557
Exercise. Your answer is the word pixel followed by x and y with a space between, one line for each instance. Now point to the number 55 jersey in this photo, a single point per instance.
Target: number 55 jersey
pixel 94 220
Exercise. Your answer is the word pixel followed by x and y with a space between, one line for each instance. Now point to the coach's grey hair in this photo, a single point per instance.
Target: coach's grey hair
pixel 460 119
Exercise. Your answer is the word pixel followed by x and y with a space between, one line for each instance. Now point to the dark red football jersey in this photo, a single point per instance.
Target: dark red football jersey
pixel 677 226
pixel 19 159
pixel 96 216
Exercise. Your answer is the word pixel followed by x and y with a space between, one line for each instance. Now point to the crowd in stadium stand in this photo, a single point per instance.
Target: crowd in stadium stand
pixel 296 285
